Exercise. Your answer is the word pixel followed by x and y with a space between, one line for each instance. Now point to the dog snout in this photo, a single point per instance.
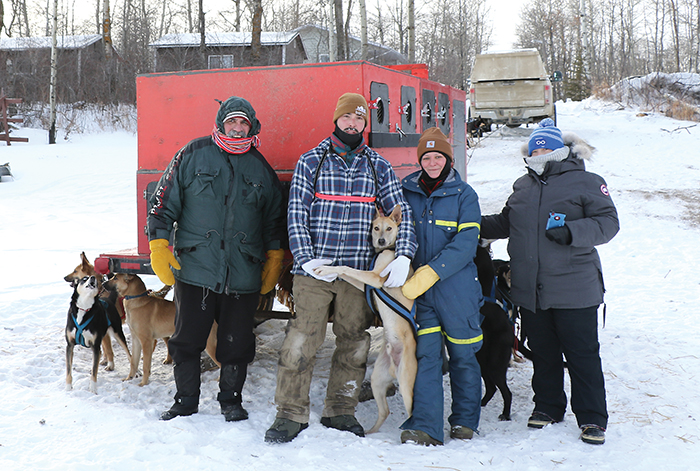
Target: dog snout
pixel 381 242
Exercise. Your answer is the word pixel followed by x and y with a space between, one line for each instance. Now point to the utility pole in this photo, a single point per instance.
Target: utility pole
pixel 54 70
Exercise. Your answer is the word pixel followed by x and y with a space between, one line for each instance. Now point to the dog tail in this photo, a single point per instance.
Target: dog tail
pixel 161 293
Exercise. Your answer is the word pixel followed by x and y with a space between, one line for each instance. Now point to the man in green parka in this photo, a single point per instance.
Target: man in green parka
pixel 222 204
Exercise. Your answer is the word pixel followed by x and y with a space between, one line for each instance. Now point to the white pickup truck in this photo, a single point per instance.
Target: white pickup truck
pixel 511 88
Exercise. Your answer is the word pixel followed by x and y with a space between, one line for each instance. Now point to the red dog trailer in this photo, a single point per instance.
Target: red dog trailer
pixel 295 105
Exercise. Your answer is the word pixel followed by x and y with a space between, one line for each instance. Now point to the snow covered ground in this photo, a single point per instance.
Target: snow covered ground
pixel 79 195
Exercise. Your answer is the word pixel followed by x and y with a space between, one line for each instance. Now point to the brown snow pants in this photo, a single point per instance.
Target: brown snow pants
pixel 351 318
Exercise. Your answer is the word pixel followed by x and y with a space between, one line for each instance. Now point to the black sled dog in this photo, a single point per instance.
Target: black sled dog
pixel 87 324
pixel 494 355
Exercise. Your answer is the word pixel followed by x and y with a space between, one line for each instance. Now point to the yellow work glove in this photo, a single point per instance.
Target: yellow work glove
pixel 420 282
pixel 271 270
pixel 161 261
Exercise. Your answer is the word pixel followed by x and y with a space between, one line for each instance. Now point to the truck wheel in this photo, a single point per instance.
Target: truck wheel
pixel 512 125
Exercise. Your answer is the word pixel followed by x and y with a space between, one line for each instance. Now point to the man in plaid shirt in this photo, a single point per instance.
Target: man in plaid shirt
pixel 331 206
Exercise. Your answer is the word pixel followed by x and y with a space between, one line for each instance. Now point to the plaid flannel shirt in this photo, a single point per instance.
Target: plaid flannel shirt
pixel 340 230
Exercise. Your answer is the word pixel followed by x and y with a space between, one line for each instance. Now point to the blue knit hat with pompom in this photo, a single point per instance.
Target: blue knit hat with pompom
pixel 546 136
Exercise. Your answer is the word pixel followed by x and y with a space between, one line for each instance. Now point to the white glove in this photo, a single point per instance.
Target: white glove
pixel 397 271
pixel 309 266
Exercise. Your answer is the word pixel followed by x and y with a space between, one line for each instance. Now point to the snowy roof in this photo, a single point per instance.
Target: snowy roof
pixel 44 42
pixel 224 39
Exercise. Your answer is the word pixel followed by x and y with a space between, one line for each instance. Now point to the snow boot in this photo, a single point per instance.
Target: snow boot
pixel 593 434
pixel 284 430
pixel 419 437
pixel 231 384
pixel 346 423
pixel 187 381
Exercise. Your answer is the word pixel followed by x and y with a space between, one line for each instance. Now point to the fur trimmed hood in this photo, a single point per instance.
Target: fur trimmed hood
pixel 580 149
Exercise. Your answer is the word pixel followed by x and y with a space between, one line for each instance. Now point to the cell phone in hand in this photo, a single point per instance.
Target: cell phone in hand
pixel 555 220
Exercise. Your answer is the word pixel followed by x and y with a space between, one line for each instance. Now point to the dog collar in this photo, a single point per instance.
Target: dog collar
pixel 145 293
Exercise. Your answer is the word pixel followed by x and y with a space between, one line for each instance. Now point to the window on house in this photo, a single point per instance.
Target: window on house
pixel 220 61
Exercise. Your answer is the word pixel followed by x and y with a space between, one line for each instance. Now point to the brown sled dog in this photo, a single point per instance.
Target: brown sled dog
pixel 397 358
pixel 150 317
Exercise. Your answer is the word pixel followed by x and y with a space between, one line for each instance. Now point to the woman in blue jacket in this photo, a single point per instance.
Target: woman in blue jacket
pixel 447 293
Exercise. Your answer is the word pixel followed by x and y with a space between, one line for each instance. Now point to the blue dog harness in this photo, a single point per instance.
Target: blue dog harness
pixel 79 328
pixel 390 301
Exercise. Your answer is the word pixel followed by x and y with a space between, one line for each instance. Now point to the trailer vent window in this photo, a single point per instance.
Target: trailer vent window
pixel 380 111
pixel 220 62
pixel 427 112
pixel 408 111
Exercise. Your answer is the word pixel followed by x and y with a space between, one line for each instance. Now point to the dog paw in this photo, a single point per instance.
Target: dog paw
pixel 93 387
pixel 143 383
pixel 110 366
pixel 168 361
pixel 324 270
pixel 69 387
pixel 504 417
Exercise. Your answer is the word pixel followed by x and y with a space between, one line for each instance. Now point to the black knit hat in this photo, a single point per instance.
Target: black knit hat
pixel 237 107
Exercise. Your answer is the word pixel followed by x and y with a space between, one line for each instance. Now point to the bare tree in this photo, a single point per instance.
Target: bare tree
pixel 256 45
pixel 411 31
pixel 363 30
pixel 339 30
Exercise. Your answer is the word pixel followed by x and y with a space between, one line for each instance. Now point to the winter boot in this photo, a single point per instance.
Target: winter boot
pixel 284 430
pixel 231 384
pixel 187 398
pixel 346 423
pixel 419 437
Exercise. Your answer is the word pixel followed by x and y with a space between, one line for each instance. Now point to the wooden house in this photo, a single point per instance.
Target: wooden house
pixel 174 52
pixel 84 73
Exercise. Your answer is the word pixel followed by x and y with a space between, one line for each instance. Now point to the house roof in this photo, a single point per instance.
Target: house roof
pixel 224 39
pixel 44 42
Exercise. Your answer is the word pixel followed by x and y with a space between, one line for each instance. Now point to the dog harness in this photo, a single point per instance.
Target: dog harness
pixel 390 301
pixel 506 304
pixel 79 328
pixel 347 198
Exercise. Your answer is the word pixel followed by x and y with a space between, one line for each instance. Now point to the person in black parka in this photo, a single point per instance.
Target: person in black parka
pixel 222 205
pixel 554 218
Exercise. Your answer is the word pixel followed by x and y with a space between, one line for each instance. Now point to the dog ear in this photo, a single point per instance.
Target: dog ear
pixel 396 214
pixel 378 211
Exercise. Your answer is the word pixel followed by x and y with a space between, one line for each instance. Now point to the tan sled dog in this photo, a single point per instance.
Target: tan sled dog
pixel 150 318
pixel 397 358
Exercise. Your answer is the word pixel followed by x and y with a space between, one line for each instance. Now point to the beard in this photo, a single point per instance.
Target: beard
pixel 235 134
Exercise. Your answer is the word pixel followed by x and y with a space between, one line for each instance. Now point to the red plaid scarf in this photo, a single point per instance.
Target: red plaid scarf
pixel 234 145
